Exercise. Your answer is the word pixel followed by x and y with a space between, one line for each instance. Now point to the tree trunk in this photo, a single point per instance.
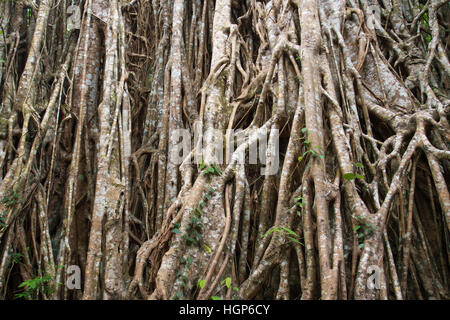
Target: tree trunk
pixel 201 149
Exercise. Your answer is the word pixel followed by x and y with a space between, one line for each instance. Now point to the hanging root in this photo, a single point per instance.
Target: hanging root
pixel 334 185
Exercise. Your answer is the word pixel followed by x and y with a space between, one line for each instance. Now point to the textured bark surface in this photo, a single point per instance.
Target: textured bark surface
pixel 343 191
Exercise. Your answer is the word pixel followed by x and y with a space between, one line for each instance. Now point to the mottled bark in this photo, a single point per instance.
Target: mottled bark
pixel 339 189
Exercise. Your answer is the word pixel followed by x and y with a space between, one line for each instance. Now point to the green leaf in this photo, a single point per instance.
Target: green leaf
pixel 216 298
pixel 201 283
pixel 207 248
pixel 371 226
pixel 289 231
pixel 22 295
pixel 188 239
pixel 359 165
pixel 360 176
pixel 33 284
pixel 349 176
pixel 361 245
pixel 16 257
pixel 356 228
pixel 295 240
pixel 202 164
pixel 270 231
pixel 217 169
pixel 228 282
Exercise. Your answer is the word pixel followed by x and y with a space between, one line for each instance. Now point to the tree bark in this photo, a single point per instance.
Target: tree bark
pixel 335 185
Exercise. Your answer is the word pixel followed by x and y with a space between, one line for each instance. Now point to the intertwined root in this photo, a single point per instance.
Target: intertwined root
pixel 351 97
